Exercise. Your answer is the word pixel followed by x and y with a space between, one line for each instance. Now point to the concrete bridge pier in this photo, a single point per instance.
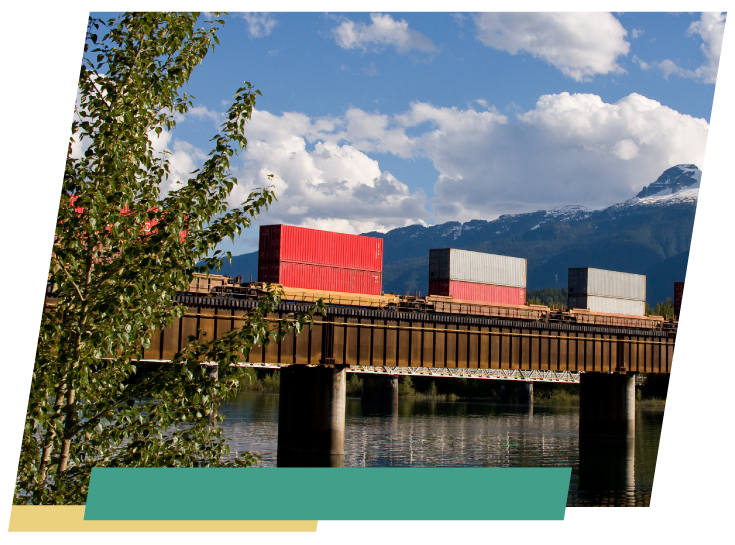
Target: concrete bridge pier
pixel 311 416
pixel 516 392
pixel 379 393
pixel 607 405
pixel 311 411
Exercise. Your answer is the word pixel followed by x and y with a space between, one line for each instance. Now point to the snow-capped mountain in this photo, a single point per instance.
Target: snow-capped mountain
pixel 680 179
pixel 673 180
pixel 647 234
pixel 570 212
pixel 679 184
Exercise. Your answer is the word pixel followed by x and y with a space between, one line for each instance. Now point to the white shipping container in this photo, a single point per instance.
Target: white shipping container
pixel 608 305
pixel 465 266
pixel 587 281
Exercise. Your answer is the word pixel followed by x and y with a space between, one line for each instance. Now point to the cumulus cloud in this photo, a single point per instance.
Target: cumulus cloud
pixel 383 31
pixel 321 182
pixel 569 149
pixel 710 28
pixel 581 45
pixel 260 24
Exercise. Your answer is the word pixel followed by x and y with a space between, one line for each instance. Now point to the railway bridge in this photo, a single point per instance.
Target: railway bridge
pixel 384 344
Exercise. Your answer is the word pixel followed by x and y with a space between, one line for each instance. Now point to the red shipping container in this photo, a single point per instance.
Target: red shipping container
pixel 471 291
pixel 301 245
pixel 316 277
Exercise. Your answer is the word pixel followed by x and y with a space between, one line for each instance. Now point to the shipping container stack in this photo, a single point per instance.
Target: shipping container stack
pixel 607 292
pixel 476 276
pixel 297 257
pixel 678 295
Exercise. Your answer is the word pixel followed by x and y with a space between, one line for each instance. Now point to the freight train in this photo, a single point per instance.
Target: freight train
pixel 346 270
pixel 223 286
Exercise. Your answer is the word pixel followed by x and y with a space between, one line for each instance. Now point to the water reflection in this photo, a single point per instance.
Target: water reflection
pixel 472 434
pixel 607 470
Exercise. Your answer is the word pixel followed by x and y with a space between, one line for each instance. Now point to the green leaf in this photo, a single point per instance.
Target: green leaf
pixel 115 281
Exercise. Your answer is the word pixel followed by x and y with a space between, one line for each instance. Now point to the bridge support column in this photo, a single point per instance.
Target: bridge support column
pixel 607 405
pixel 311 416
pixel 379 391
pixel 516 392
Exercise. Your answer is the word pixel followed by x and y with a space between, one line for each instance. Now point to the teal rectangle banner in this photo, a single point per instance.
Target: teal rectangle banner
pixel 327 493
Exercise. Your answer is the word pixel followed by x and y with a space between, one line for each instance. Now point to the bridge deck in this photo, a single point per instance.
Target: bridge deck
pixel 383 339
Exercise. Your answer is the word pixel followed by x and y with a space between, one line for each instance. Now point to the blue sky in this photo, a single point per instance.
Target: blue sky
pixel 372 121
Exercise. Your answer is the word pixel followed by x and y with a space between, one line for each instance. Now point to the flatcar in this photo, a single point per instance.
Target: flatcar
pixel 223 286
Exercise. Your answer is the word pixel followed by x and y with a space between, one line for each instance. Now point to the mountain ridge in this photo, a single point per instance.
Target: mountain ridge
pixel 638 236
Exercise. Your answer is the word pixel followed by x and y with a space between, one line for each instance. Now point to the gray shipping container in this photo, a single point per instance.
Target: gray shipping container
pixel 464 266
pixel 608 305
pixel 586 281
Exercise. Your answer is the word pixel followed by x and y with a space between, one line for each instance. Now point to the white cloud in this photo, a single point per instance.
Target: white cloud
pixel 579 44
pixel 260 24
pixel 570 149
pixel 626 149
pixel 669 67
pixel 643 64
pixel 333 185
pixel 184 159
pixel 202 112
pixel 710 28
pixel 383 31
pixel 637 33
pixel 458 19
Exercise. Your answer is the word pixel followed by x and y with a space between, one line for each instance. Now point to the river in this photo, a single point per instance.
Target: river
pixel 473 434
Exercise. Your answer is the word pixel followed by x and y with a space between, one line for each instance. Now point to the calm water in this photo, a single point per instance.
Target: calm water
pixel 473 434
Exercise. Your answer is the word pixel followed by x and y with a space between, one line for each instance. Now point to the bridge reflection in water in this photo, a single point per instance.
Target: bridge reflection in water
pixel 603 359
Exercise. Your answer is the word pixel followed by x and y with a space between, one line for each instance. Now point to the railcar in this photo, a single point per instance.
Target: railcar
pixel 224 286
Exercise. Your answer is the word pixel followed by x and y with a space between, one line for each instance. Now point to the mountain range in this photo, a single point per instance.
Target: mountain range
pixel 648 234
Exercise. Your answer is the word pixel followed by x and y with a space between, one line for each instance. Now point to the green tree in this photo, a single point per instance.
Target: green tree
pixel 405 387
pixel 90 403
pixel 354 385
pixel 665 309
pixel 433 390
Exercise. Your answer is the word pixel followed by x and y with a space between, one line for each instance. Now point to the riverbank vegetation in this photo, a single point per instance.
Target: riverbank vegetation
pixel 649 395
pixel 261 380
